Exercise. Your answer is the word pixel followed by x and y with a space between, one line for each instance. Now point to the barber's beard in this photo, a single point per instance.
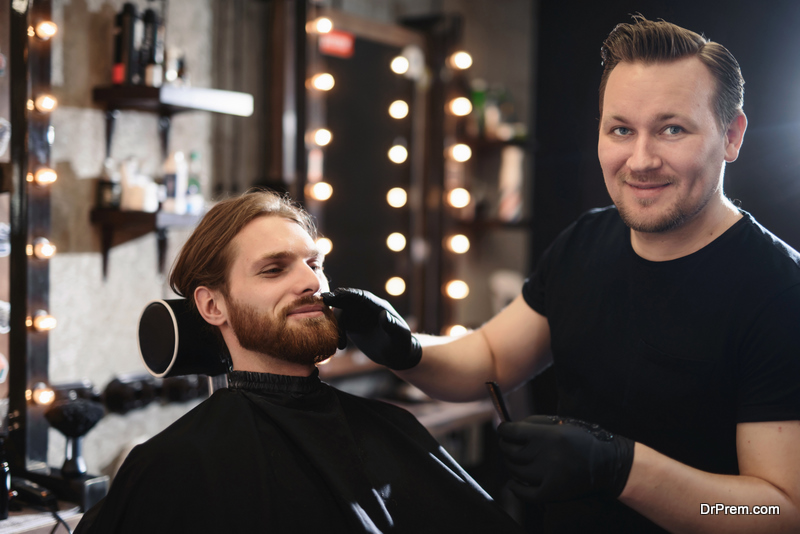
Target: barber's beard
pixel 670 218
pixel 304 341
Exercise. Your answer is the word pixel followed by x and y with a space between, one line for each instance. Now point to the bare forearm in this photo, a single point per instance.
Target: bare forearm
pixel 453 369
pixel 673 495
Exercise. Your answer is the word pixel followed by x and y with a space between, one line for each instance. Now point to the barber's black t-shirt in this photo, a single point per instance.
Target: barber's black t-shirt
pixel 671 354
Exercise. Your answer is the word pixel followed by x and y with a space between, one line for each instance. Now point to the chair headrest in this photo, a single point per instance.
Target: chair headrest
pixel 174 340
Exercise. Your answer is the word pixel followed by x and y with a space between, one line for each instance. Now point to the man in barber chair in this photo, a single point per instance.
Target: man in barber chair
pixel 279 450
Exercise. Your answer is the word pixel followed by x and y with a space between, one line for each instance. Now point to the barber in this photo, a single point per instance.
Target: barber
pixel 671 319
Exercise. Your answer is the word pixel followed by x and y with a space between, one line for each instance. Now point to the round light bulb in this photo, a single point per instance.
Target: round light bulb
pixel 324 245
pixel 322 81
pixel 43 249
pixel 395 286
pixel 460 106
pixel 398 154
pixel 461 152
pixel 319 191
pixel 397 197
pixel 42 394
pixel 322 137
pixel 461 60
pixel 45 176
pixel 456 289
pixel 45 30
pixel 400 65
pixel 45 103
pixel 398 109
pixel 458 243
pixel 396 241
pixel 42 322
pixel 458 197
pixel 456 330
pixel 319 25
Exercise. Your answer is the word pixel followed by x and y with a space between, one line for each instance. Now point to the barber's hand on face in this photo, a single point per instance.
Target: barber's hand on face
pixel 375 327
pixel 554 459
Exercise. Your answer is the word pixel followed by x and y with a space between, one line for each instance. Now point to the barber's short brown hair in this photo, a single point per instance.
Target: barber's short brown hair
pixel 206 257
pixel 660 41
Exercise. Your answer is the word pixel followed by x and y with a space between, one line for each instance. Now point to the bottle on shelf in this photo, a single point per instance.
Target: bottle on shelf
pixel 152 49
pixel 176 181
pixel 194 195
pixel 128 33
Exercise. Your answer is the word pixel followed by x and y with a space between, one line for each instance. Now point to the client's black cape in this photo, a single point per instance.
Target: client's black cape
pixel 294 455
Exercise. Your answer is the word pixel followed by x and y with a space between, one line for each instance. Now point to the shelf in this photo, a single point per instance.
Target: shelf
pixel 127 225
pixel 168 100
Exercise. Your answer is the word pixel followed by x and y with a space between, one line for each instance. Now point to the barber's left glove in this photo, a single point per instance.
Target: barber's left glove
pixel 554 459
pixel 375 327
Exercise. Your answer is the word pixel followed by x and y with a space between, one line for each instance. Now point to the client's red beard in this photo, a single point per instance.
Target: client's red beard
pixel 311 341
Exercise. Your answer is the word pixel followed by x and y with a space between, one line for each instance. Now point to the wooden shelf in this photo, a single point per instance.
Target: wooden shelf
pixel 168 100
pixel 127 225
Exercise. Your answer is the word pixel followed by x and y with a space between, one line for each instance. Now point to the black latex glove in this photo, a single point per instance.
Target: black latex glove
pixel 375 327
pixel 554 459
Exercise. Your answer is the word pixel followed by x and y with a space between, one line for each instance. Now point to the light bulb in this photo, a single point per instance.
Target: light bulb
pixel 395 286
pixel 461 60
pixel 42 322
pixel 43 249
pixel 456 289
pixel 400 65
pixel 322 137
pixel 398 154
pixel 458 243
pixel 319 25
pixel 396 241
pixel 322 82
pixel 45 103
pixel 41 394
pixel 397 197
pixel 458 197
pixel 45 176
pixel 319 191
pixel 460 106
pixel 461 152
pixel 456 330
pixel 45 30
pixel 324 245
pixel 398 109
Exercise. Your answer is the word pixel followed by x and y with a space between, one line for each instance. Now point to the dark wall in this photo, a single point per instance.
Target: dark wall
pixel 764 38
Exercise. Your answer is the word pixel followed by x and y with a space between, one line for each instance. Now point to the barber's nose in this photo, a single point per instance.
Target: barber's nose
pixel 644 156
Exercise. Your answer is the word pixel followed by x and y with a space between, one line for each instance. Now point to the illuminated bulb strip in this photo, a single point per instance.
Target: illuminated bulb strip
pixel 456 330
pixel 41 394
pixel 322 137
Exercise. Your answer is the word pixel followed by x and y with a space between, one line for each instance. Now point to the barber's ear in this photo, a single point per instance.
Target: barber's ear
pixel 734 137
pixel 211 306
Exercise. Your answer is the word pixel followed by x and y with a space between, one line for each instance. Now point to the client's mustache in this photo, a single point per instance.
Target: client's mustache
pixel 308 300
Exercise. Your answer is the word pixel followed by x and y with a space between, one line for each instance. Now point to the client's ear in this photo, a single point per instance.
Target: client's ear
pixel 211 305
